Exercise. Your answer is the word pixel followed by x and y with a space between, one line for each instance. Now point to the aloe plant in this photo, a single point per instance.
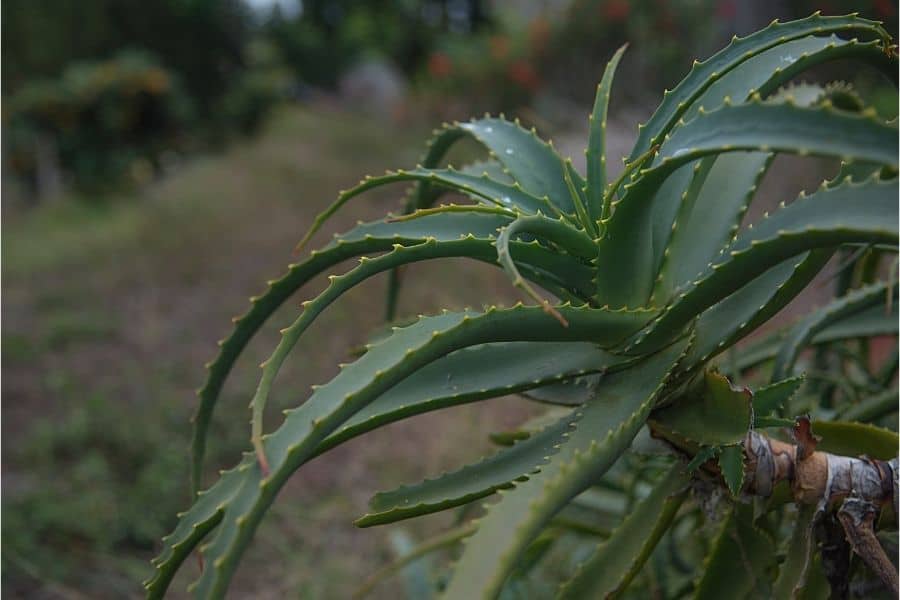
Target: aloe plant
pixel 640 284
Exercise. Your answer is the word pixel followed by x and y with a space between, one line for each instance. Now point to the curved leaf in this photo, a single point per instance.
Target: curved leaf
pixel 873 321
pixel 476 373
pixel 474 481
pixel 615 562
pixel 359 383
pixel 725 323
pixel 800 334
pixel 608 424
pixel 739 560
pixel 596 150
pixel 527 159
pixel 704 74
pixel 856 439
pixel 470 247
pixel 864 212
pixel 376 236
pixel 713 413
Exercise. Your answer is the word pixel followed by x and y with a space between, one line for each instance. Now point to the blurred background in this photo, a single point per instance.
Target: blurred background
pixel 159 162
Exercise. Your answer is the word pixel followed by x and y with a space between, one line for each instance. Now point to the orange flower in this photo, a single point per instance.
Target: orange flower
pixel 521 73
pixel 499 46
pixel 539 32
pixel 616 10
pixel 439 65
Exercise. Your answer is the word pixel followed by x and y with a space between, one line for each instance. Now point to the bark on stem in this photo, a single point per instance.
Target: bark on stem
pixel 859 487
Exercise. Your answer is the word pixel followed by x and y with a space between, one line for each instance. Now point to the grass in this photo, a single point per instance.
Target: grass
pixel 112 307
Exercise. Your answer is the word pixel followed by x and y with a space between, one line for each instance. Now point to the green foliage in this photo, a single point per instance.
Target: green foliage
pixel 633 327
pixel 121 485
pixel 103 121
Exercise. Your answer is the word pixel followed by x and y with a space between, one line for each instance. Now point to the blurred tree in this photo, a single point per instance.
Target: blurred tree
pixel 326 36
pixel 200 40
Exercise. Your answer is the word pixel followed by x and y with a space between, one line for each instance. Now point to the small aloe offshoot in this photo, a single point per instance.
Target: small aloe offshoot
pixel 644 286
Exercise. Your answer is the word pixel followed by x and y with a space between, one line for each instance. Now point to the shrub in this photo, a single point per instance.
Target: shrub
pixel 656 280
pixel 99 120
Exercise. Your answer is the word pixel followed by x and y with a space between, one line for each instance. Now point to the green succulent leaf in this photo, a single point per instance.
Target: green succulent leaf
pixel 712 207
pixel 872 408
pixel 725 323
pixel 739 560
pixel 477 373
pixel 800 334
pixel 792 572
pixel 731 463
pixel 826 218
pixel 772 397
pixel 366 238
pixel 876 320
pixel 705 454
pixel 708 217
pixel 571 392
pixel 596 150
pixel 468 247
pixel 489 168
pixel 856 439
pixel 359 383
pixel 712 413
pixel 704 74
pixel 516 463
pixel 527 159
pixel 493 193
pixel 608 424
pixel 617 560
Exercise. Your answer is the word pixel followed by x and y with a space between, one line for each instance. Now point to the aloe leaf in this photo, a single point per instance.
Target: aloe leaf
pixel 488 168
pixel 870 322
pixel 772 397
pixel 434 544
pixel 474 481
pixel 596 150
pixel 856 439
pixel 608 424
pixel 570 392
pixel 792 572
pixel 777 127
pixel 739 560
pixel 377 236
pixel 472 374
pixel 572 240
pixel 872 408
pixel 781 127
pixel 725 323
pixel 527 159
pixel 629 253
pixel 856 171
pixel 430 249
pixel 703 74
pixel 359 383
pixel 509 197
pixel 709 218
pixel 710 212
pixel 829 217
pixel 731 463
pixel 616 561
pixel 705 454
pixel 800 334
pixel 768 70
pixel 714 413
pixel 193 525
